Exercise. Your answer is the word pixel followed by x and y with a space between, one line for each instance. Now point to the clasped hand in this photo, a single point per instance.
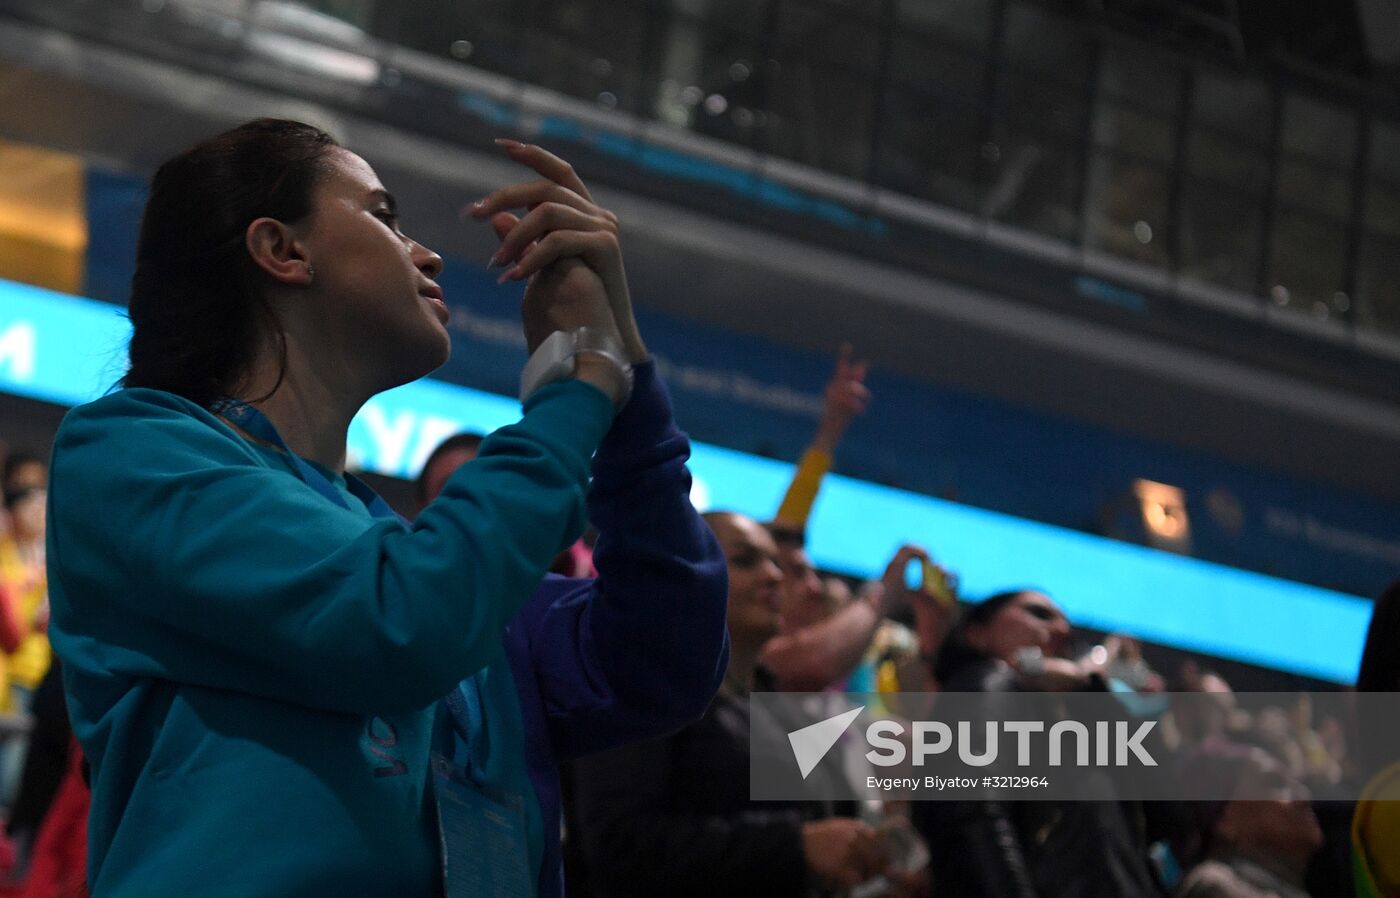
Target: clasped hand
pixel 566 248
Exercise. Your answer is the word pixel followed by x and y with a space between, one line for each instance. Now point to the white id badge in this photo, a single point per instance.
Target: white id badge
pixel 484 847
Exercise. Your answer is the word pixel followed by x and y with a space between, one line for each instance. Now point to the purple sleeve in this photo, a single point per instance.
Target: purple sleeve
pixel 640 650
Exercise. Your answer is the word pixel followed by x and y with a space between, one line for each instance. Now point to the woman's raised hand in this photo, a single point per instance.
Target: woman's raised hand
pixel 566 246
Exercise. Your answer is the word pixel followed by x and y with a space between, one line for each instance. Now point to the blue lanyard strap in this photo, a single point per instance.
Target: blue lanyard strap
pixel 464 713
pixel 256 424
pixel 463 703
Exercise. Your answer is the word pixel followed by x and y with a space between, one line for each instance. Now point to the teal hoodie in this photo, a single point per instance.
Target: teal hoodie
pixel 227 631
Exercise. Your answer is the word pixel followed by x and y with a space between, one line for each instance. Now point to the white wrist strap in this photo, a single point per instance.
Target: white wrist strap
pixel 554 360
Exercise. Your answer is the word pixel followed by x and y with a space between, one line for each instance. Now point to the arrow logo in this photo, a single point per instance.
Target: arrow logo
pixel 811 743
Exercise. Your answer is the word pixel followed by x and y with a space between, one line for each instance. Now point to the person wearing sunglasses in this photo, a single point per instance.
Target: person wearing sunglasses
pixel 1019 640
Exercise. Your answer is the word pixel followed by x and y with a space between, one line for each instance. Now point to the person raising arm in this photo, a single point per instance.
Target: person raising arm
pixel 254 644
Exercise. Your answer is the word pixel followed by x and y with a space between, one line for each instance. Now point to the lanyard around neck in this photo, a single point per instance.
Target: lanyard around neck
pixel 463 704
pixel 256 424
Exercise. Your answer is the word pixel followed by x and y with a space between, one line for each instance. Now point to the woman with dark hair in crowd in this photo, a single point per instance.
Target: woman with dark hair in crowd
pixel 256 648
pixel 989 635
pixel 1013 641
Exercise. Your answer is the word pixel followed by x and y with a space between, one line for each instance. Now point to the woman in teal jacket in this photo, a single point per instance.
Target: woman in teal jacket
pixel 255 646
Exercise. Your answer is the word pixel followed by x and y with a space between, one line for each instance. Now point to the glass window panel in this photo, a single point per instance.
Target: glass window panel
pixel 553 62
pixel 1237 164
pixel 585 64
pixel 1383 209
pixel 742 16
pixel 821 115
pixel 1034 181
pixel 1143 78
pixel 863 8
pixel 600 27
pixel 825 31
pixel 494 45
pixel 1127 209
pixel 357 12
pixel 1385 152
pixel 1308 263
pixel 921 64
pixel 1319 130
pixel 1034 104
pixel 1319 189
pixel 1038 40
pixel 1221 234
pixel 1233 104
pixel 968 22
pixel 1378 282
pixel 698 61
pixel 1139 133
pixel 716 104
pixel 487 34
pixel 929 148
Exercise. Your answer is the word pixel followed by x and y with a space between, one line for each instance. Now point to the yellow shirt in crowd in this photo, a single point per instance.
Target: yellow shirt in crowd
pixel 28 587
pixel 1375 833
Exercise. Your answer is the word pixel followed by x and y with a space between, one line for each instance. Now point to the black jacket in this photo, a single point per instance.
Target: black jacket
pixel 673 817
pixel 1033 849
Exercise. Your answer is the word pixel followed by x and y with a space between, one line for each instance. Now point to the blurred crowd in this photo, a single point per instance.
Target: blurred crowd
pixel 43 844
pixel 673 816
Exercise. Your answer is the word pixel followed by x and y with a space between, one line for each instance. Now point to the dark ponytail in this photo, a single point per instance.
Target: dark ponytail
pixel 196 318
pixel 957 652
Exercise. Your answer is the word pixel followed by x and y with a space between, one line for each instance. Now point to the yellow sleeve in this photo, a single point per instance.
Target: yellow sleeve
pixel 802 492
pixel 1375 833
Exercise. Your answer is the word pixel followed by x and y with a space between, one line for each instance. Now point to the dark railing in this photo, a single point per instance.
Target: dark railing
pixel 1270 185
pixel 1278 188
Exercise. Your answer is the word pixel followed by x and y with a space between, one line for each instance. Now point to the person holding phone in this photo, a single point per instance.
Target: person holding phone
pixel 256 649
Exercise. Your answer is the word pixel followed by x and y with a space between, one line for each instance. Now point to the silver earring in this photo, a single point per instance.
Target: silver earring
pixel 310 272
